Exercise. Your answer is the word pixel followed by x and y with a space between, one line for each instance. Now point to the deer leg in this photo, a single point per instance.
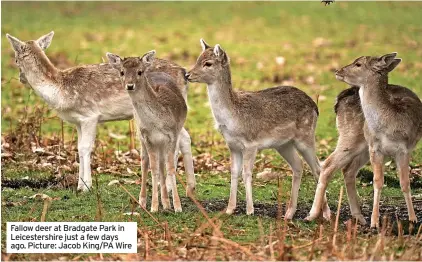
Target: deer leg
pixel 169 178
pixel 236 164
pixel 249 156
pixel 337 160
pixel 164 195
pixel 349 174
pixel 155 171
pixel 81 160
pixel 377 162
pixel 171 172
pixel 185 148
pixel 144 170
pixel 402 161
pixel 176 157
pixel 87 141
pixel 308 153
pixel 289 153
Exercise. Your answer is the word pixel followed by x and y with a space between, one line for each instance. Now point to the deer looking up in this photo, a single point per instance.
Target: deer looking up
pixel 160 112
pixel 87 95
pixel 375 119
pixel 283 118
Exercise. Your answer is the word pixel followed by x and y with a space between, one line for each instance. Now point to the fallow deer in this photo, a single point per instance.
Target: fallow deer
pixel 87 95
pixel 374 119
pixel 160 112
pixel 283 118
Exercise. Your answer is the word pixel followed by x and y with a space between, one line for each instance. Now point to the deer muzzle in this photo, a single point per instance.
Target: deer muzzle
pixel 130 87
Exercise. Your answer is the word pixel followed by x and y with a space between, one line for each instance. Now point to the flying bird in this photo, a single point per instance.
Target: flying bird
pixel 327 2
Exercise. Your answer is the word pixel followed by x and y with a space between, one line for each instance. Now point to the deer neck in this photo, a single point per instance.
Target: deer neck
pixel 374 100
pixel 222 98
pixel 144 99
pixel 43 78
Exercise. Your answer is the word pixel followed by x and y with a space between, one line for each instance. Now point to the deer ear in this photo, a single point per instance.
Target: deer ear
pixel 218 51
pixel 16 43
pixel 388 58
pixel 149 57
pixel 45 40
pixel 204 44
pixel 114 60
pixel 393 64
pixel 383 63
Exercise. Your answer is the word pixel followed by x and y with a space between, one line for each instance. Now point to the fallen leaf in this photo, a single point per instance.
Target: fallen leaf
pixel 320 41
pixel 129 182
pixel 130 171
pixel 113 182
pixel 6 155
pixel 310 80
pixel 280 60
pixel 267 175
pixel 131 214
pixel 40 196
pixel 116 136
pixel 38 150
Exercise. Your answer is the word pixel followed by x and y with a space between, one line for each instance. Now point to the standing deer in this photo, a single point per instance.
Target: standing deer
pixel 283 118
pixel 160 112
pixel 375 119
pixel 87 95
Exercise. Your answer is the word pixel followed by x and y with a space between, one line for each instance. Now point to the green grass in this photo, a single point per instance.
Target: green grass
pixel 251 33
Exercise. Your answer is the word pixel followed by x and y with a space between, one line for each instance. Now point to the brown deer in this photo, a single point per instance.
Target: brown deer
pixel 374 119
pixel 160 112
pixel 87 95
pixel 283 118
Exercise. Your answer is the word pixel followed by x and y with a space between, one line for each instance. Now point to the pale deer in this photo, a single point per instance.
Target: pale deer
pixel 87 95
pixel 283 118
pixel 375 119
pixel 160 112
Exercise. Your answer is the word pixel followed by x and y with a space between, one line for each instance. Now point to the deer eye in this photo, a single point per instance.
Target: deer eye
pixel 122 73
pixel 139 73
pixel 358 64
pixel 207 64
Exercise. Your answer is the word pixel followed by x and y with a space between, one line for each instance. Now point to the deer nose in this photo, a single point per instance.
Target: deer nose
pixel 187 75
pixel 130 86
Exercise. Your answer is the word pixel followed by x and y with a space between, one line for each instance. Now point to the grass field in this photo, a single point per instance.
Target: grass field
pixel 312 38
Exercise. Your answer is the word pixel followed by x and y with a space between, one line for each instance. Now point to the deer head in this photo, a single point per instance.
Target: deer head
pixel 28 54
pixel 211 63
pixel 367 66
pixel 132 69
